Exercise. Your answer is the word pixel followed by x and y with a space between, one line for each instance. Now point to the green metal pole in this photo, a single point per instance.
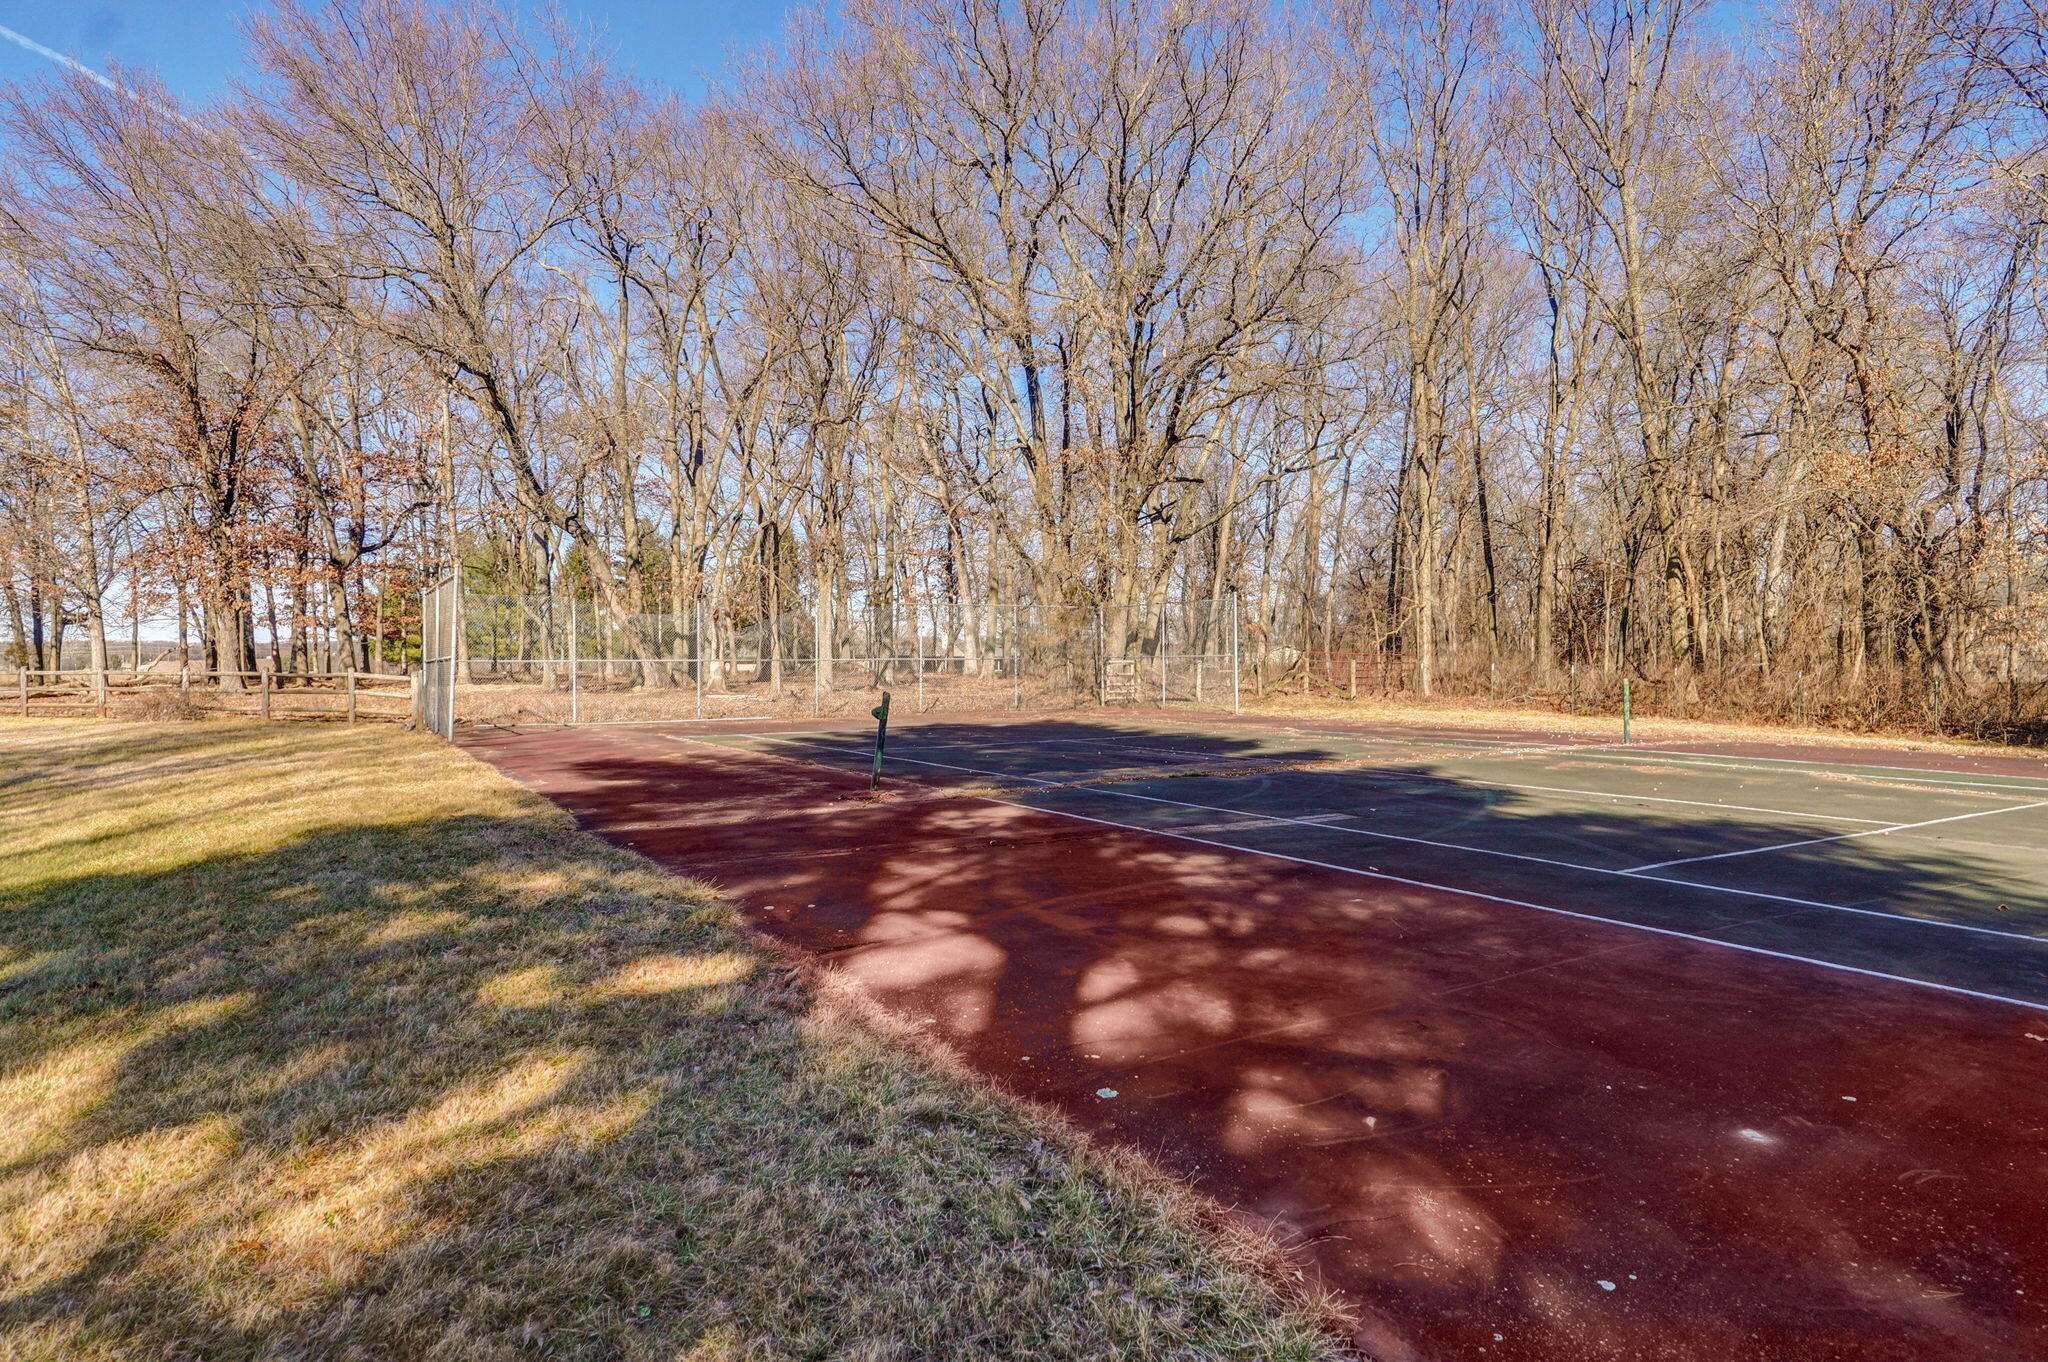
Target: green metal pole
pixel 881 713
pixel 1626 716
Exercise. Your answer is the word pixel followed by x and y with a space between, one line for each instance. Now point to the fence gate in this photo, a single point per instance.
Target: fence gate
pixel 440 611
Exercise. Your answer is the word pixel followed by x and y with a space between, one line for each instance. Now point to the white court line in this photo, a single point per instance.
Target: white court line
pixel 1133 744
pixel 1485 851
pixel 1545 908
pixel 1851 765
pixel 1838 837
pixel 1612 751
pixel 1956 989
pixel 1650 752
pixel 1381 773
pixel 1711 761
pixel 1517 744
pixel 1392 774
pixel 1965 780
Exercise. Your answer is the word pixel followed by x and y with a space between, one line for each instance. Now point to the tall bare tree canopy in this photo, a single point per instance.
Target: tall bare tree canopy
pixel 1533 346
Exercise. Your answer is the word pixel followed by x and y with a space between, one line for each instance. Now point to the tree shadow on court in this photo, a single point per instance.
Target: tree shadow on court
pixel 473 1087
pixel 1474 1115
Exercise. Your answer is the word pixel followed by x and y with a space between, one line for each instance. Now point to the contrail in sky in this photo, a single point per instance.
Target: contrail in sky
pixel 20 40
pixel 31 45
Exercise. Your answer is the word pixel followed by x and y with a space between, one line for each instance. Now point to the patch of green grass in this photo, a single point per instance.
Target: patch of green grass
pixel 330 1043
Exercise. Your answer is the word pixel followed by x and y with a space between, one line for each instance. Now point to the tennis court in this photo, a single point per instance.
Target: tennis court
pixel 1535 1047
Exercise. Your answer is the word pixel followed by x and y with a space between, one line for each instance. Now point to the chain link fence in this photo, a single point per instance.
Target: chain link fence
pixel 560 659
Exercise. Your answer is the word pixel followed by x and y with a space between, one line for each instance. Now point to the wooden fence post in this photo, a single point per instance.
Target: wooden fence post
pixel 263 694
pixel 351 697
pixel 21 681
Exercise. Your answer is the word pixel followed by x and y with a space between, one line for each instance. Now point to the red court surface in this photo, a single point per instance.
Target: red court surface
pixel 1502 1131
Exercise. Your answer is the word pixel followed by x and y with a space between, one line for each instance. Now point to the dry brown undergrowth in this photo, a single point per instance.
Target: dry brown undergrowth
pixel 327 1043
pixel 1457 712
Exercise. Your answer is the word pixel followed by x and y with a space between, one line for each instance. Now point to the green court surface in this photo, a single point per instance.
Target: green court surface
pixel 1918 868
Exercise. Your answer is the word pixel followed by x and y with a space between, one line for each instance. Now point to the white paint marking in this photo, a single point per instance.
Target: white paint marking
pixel 1957 989
pixel 1608 794
pixel 1954 989
pixel 1391 773
pixel 1714 760
pixel 1490 851
pixel 1838 837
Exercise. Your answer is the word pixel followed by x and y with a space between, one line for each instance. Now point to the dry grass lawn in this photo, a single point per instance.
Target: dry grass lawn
pixel 1455 712
pixel 327 1043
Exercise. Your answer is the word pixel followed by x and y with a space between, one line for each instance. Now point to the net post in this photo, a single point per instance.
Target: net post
pixel 881 713
pixel 697 653
pixel 1016 656
pixel 1626 713
pixel 575 712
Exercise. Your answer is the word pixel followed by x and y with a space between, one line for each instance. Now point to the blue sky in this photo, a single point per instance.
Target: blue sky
pixel 193 43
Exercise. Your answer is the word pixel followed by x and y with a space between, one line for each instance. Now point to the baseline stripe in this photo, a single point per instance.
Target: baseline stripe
pixel 1546 908
pixel 1490 851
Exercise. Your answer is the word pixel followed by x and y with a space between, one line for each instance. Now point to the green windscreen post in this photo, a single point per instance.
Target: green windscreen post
pixel 881 713
pixel 1626 716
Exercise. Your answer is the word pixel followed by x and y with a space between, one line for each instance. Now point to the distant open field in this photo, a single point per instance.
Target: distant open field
pixel 332 1043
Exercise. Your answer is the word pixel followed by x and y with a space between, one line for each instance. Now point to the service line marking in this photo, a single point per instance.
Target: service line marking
pixel 1930 777
pixel 1958 990
pixel 1838 837
pixel 1713 761
pixel 1395 773
pixel 1482 851
pixel 2029 1005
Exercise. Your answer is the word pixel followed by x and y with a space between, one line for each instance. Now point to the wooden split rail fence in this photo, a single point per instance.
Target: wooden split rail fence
pixel 1342 675
pixel 347 696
